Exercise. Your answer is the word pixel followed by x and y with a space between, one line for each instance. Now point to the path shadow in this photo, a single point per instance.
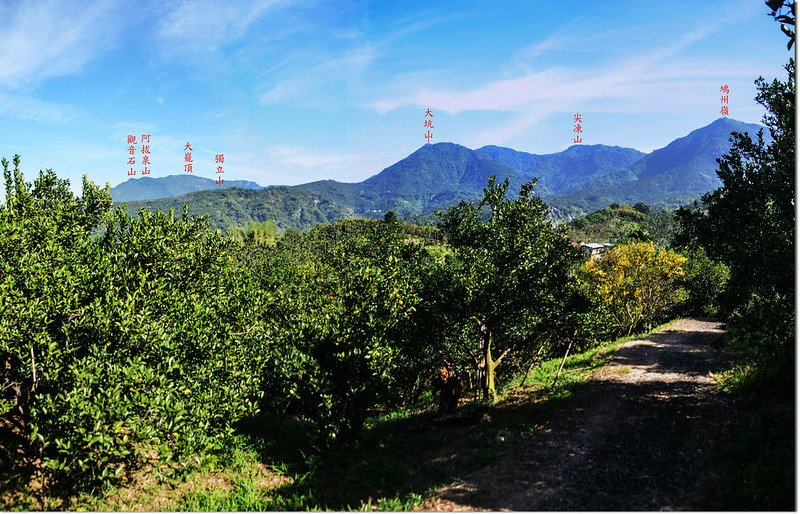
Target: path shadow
pixel 396 458
pixel 692 353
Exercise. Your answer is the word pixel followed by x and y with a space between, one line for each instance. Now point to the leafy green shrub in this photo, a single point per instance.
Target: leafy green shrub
pixel 763 331
pixel 128 348
pixel 705 281
pixel 335 316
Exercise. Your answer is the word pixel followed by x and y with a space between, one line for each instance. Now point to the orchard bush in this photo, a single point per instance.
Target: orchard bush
pixel 127 341
pixel 341 294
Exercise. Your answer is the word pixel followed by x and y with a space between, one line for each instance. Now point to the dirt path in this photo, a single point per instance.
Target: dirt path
pixel 643 435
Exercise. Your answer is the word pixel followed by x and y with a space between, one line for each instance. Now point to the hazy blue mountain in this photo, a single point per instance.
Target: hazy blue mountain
pixel 581 179
pixel 148 188
pixel 564 172
pixel 232 207
pixel 694 154
pixel 680 172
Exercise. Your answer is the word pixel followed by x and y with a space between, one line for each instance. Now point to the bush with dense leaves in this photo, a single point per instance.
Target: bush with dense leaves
pixel 637 283
pixel 125 340
pixel 705 281
pixel 341 294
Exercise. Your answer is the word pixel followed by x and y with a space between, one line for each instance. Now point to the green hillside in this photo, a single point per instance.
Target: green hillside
pixel 619 223
pixel 230 208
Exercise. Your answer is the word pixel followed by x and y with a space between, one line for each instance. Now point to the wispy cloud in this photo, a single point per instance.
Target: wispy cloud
pixel 46 39
pixel 549 85
pixel 532 96
pixel 25 107
pixel 321 78
pixel 566 37
pixel 194 31
pixel 324 75
pixel 207 24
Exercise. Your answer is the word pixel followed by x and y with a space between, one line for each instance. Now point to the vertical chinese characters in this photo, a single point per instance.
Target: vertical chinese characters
pixel 220 160
pixel 187 157
pixel 131 155
pixel 145 154
pixel 725 90
pixel 578 128
pixel 428 125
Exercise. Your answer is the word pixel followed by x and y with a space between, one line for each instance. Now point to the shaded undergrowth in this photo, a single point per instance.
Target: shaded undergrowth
pixel 762 441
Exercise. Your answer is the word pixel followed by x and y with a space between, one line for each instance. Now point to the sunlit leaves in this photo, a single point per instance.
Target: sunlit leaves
pixel 637 283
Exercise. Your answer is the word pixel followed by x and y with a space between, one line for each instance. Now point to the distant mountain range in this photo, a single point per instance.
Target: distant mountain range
pixel 580 179
pixel 149 188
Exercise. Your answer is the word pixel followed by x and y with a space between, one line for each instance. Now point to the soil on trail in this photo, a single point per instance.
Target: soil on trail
pixel 644 434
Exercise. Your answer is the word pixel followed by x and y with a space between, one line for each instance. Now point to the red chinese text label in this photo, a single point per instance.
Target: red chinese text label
pixel 429 125
pixel 187 157
pixel 219 159
pixel 725 90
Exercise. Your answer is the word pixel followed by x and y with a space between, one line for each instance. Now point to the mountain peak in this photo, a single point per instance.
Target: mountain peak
pixel 729 125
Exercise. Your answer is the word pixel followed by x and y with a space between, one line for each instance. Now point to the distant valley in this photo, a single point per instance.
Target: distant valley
pixel 578 180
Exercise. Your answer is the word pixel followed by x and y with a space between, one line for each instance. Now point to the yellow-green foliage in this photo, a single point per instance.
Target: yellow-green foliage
pixel 636 282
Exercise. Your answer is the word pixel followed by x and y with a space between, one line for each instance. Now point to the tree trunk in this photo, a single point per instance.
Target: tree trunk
pixel 566 354
pixel 488 365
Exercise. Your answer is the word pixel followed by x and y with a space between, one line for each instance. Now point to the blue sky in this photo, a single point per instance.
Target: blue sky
pixel 295 91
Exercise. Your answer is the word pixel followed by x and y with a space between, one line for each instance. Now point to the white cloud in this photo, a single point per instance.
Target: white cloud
pixel 46 39
pixel 321 79
pixel 643 82
pixel 195 30
pixel 327 73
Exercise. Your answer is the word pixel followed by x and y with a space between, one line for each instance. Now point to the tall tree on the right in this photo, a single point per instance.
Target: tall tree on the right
pixel 749 222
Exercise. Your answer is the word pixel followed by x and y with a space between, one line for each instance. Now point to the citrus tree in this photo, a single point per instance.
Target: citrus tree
pixel 512 274
pixel 341 295
pixel 126 341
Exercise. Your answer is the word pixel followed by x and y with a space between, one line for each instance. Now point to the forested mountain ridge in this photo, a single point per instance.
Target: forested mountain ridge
pixel 230 208
pixel 149 188
pixel 581 179
pixel 668 177
pixel 563 172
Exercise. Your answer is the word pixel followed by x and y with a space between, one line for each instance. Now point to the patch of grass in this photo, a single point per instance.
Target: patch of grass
pixel 408 503
pixel 234 481
pixel 246 495
pixel 578 367
pixel 622 370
